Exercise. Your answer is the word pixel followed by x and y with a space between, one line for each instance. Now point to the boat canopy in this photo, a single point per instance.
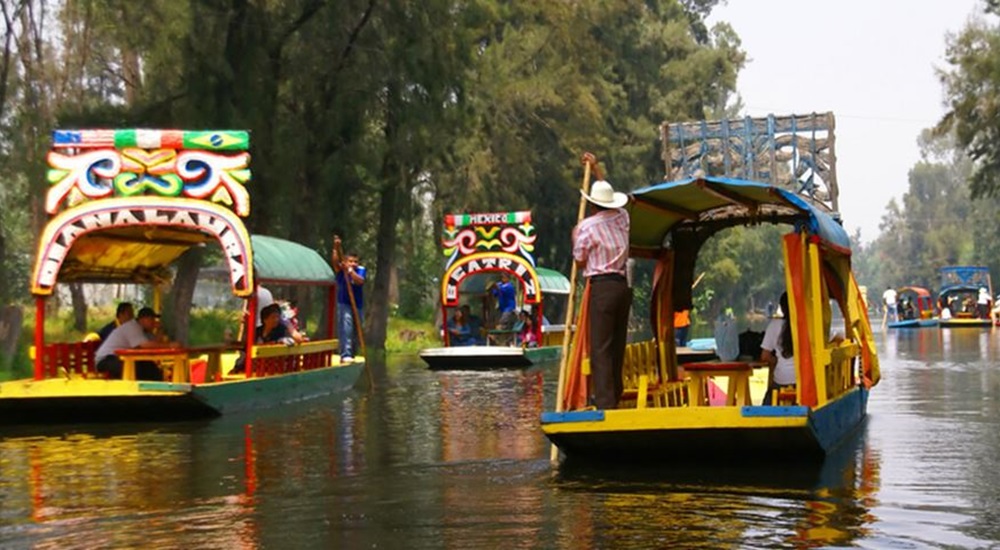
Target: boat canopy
pixel 285 262
pixel 660 208
pixel 919 291
pixel 965 278
pixel 140 254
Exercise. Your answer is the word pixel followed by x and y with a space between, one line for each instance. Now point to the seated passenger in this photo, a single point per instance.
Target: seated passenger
pixel 459 332
pixel 528 336
pixel 272 330
pixel 123 314
pixel 134 334
pixel 475 325
pixel 777 351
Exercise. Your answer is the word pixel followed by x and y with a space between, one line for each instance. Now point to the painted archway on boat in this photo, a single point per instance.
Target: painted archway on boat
pixel 142 217
pixel 485 262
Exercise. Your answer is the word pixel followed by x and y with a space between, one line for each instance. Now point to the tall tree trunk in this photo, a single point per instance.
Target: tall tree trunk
pixel 377 316
pixel 178 311
pixel 79 306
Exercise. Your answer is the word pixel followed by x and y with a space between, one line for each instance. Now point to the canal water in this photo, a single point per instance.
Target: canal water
pixel 457 460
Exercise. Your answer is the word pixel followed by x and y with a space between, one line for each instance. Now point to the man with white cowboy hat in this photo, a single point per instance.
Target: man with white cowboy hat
pixel 600 248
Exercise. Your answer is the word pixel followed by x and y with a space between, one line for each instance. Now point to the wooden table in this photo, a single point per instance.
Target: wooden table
pixel 737 372
pixel 178 357
pixel 214 353
pixel 690 355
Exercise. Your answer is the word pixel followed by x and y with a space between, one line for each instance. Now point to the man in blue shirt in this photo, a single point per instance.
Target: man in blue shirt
pixel 350 279
pixel 503 291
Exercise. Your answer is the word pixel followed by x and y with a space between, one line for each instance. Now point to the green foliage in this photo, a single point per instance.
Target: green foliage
pixel 937 223
pixel 972 93
pixel 410 336
pixel 372 119
pixel 740 268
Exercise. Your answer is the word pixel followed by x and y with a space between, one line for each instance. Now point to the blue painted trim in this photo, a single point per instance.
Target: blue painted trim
pixel 163 386
pixel 832 423
pixel 768 411
pixel 572 416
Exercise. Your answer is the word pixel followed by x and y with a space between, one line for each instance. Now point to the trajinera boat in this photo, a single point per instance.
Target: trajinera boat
pixel 915 308
pixel 124 206
pixel 666 412
pixel 959 293
pixel 480 248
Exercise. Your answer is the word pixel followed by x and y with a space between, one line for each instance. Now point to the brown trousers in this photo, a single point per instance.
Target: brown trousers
pixel 610 300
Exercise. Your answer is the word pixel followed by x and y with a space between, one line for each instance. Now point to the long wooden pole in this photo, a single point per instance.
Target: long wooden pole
pixel 589 162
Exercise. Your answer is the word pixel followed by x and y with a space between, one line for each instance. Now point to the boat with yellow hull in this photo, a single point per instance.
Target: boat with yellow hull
pixel 666 412
pixel 961 286
pixel 124 206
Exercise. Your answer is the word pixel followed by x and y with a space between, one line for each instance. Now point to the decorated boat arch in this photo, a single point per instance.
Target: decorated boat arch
pixel 124 205
pixel 479 247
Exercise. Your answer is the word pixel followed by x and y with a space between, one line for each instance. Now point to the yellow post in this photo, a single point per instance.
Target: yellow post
pixel 587 160
pixel 817 335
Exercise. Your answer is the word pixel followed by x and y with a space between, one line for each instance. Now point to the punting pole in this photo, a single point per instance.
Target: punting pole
pixel 588 161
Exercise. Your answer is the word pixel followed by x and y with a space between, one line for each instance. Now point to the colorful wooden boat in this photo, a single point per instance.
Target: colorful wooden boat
pixel 479 248
pixel 959 292
pixel 922 313
pixel 124 206
pixel 666 413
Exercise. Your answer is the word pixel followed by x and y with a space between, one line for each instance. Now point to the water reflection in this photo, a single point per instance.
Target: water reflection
pixel 738 507
pixel 456 460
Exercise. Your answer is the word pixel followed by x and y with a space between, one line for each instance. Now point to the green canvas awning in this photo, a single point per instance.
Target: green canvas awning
pixel 285 262
pixel 550 281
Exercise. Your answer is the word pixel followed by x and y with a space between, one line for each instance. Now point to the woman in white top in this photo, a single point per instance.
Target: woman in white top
pixel 777 351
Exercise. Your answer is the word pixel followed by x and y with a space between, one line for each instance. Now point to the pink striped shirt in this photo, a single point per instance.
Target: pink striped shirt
pixel 601 242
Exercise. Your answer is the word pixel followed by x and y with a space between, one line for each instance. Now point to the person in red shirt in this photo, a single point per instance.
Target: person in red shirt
pixel 600 248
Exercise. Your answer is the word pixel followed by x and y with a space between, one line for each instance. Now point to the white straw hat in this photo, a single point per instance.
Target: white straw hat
pixel 602 194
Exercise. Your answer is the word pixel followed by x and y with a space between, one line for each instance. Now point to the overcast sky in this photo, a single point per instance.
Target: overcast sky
pixel 871 62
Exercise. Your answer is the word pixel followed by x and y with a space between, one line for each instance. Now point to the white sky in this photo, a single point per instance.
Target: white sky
pixel 871 62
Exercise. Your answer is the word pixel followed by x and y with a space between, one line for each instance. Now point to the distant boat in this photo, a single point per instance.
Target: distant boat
pixel 919 314
pixel 133 231
pixel 959 293
pixel 480 247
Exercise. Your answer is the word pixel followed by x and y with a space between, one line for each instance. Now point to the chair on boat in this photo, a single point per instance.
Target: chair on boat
pixel 645 381
pixel 784 396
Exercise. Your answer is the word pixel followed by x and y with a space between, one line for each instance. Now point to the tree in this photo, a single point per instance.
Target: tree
pixel 972 93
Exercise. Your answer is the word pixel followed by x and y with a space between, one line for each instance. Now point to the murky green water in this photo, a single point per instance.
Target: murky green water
pixel 456 460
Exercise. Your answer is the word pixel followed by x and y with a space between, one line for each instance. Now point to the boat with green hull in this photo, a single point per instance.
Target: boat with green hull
pixel 125 205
